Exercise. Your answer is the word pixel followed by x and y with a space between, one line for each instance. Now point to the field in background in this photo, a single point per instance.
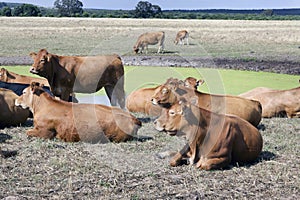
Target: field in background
pixel 208 38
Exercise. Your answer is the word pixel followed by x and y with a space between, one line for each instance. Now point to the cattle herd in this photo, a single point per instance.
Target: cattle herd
pixel 219 129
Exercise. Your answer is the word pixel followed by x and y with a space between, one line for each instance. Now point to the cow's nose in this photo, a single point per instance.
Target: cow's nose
pixel 33 71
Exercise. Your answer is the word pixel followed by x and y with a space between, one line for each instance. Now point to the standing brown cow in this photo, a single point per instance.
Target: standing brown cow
pixel 68 74
pixel 181 35
pixel 214 140
pixel 11 115
pixel 150 38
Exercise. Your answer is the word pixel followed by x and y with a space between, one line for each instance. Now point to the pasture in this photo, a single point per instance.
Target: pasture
pixel 32 168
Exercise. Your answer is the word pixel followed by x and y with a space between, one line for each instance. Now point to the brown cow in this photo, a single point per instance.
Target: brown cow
pixel 140 100
pixel 214 140
pixel 11 77
pixel 173 90
pixel 11 115
pixel 73 122
pixel 276 103
pixel 150 38
pixel 181 35
pixel 68 74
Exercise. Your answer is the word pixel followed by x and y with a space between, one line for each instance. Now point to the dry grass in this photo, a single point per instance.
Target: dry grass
pixel 86 36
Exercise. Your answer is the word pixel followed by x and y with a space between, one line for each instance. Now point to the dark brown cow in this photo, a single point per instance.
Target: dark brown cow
pixel 11 77
pixel 276 103
pixel 11 115
pixel 68 74
pixel 72 122
pixel 173 90
pixel 150 38
pixel 181 35
pixel 140 100
pixel 214 140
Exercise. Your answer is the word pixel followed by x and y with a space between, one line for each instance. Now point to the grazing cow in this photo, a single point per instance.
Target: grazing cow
pixel 68 74
pixel 150 38
pixel 214 140
pixel 173 90
pixel 140 100
pixel 11 77
pixel 181 35
pixel 11 115
pixel 73 122
pixel 276 103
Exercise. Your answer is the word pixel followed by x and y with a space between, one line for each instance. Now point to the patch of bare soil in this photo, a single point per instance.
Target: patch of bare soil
pixel 284 66
pixel 32 168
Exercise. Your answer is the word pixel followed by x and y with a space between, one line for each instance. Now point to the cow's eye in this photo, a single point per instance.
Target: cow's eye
pixel 171 112
pixel 42 60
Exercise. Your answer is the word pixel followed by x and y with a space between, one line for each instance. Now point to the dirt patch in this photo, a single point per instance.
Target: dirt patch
pixel 284 67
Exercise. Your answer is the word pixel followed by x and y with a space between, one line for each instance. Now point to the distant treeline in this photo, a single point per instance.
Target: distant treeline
pixel 17 9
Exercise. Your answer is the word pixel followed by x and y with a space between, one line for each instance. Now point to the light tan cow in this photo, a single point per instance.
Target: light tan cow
pixel 11 115
pixel 181 35
pixel 213 140
pixel 11 77
pixel 140 100
pixel 68 74
pixel 72 122
pixel 150 38
pixel 173 90
pixel 276 103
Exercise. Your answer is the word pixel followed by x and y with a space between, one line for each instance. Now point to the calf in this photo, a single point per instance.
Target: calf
pixel 150 38
pixel 213 140
pixel 181 35
pixel 11 115
pixel 72 122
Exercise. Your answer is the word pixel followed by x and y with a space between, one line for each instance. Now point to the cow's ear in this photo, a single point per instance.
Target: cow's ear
pixel 200 82
pixel 32 55
pixel 48 57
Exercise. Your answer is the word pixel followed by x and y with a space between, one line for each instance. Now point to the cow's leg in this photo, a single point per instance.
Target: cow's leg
pixel 109 89
pixel 119 92
pixel 177 159
pixel 213 163
pixel 41 133
pixel 187 41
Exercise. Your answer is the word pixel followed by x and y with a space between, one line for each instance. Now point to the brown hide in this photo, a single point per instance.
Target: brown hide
pixel 149 38
pixel 11 77
pixel 68 74
pixel 214 140
pixel 181 35
pixel 276 103
pixel 172 91
pixel 11 115
pixel 73 122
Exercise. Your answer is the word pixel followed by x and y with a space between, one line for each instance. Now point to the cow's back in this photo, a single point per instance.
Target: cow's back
pixel 11 115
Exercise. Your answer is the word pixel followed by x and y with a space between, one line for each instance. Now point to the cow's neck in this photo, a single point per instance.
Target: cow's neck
pixel 58 71
pixel 39 102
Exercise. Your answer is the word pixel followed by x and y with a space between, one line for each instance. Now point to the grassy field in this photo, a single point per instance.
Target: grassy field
pixel 209 38
pixel 32 168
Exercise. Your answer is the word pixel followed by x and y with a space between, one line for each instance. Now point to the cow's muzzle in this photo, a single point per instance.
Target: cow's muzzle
pixel 33 71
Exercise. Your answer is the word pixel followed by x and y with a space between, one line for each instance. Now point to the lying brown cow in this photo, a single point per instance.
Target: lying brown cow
pixel 73 122
pixel 140 100
pixel 173 90
pixel 11 77
pixel 181 35
pixel 150 38
pixel 68 74
pixel 11 115
pixel 214 140
pixel 276 103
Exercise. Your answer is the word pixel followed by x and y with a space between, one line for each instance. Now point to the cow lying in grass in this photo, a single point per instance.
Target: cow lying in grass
pixel 276 103
pixel 214 140
pixel 140 100
pixel 11 115
pixel 174 89
pixel 73 122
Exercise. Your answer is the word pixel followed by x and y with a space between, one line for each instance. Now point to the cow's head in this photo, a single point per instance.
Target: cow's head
pixel 164 97
pixel 26 99
pixel 3 75
pixel 135 49
pixel 41 61
pixel 191 82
